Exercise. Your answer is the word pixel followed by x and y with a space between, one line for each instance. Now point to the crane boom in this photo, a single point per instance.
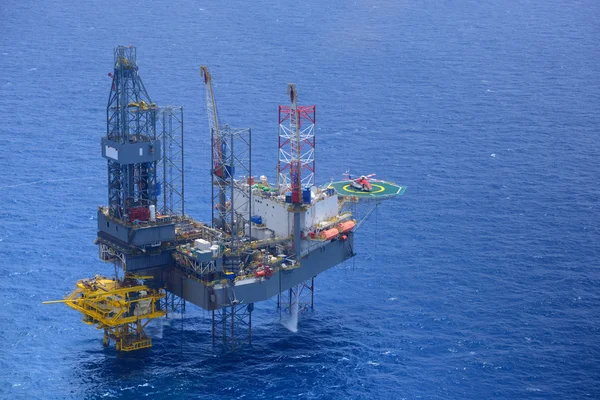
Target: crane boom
pixel 213 121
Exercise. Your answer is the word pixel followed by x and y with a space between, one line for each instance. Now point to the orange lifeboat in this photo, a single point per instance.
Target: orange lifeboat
pixel 329 234
pixel 346 226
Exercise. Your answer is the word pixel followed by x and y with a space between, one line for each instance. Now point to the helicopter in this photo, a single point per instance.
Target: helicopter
pixel 363 182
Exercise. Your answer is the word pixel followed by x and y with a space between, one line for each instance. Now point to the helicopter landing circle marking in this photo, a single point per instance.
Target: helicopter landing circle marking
pixel 374 185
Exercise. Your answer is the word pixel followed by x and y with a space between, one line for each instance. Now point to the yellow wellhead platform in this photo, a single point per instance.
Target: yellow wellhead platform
pixel 122 308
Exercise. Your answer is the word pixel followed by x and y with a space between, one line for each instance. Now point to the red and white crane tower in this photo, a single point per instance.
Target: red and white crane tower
pixel 296 162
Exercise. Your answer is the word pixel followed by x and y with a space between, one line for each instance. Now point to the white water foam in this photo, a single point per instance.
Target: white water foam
pixel 291 323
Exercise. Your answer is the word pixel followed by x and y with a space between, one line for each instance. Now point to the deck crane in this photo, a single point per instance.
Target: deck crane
pixel 221 172
pixel 213 122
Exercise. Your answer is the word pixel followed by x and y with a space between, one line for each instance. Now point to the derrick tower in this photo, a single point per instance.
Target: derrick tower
pixel 143 147
pixel 131 145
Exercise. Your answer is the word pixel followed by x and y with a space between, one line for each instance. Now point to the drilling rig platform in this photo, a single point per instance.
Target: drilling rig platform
pixel 263 240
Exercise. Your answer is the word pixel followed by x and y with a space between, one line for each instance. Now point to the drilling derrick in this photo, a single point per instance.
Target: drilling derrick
pixel 131 145
pixel 135 231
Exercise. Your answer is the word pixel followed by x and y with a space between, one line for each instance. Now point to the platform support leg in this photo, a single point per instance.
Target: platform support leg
pixel 303 293
pixel 213 327
pixel 172 304
pixel 229 326
pixel 224 324
pixel 232 328
pixel 312 293
pixel 250 324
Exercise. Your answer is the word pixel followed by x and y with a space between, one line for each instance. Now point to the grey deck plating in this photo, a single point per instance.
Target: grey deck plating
pixel 254 290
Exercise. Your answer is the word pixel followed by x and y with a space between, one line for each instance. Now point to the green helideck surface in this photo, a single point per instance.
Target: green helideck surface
pixel 380 190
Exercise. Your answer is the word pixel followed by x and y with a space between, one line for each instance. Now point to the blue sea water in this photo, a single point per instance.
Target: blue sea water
pixel 481 282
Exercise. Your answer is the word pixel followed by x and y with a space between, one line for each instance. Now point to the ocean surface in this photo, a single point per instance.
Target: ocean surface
pixel 481 282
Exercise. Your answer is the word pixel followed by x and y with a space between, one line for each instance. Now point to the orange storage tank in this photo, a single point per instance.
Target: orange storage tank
pixel 346 226
pixel 329 234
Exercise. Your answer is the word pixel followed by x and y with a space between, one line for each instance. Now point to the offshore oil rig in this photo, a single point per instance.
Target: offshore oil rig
pixel 264 239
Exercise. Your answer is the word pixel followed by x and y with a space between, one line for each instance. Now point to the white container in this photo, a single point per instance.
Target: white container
pixel 215 250
pixel 202 244
pixel 152 213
